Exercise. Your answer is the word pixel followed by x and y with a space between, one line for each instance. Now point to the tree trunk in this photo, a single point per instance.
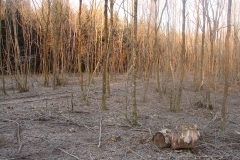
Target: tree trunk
pixel 213 32
pixel 195 49
pixel 45 44
pixel 156 40
pixel 227 68
pixel 1 55
pixel 182 61
pixel 134 73
pixel 8 45
pixel 27 51
pixel 57 26
pixel 110 47
pixel 104 57
pixel 202 47
pixel 80 52
pixel 18 58
pixel 236 46
pixel 155 59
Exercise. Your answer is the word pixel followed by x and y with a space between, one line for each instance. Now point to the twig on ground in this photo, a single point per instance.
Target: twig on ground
pixel 206 143
pixel 46 104
pixel 91 156
pixel 150 132
pixel 68 153
pixel 79 124
pixel 200 157
pixel 18 134
pixel 72 103
pixel 140 130
pixel 129 149
pixel 100 132
pixel 69 110
pixel 214 118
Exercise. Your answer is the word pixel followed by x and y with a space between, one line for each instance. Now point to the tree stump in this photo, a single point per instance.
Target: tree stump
pixel 186 138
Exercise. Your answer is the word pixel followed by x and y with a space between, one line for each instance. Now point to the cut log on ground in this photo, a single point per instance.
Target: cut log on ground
pixel 163 138
pixel 186 138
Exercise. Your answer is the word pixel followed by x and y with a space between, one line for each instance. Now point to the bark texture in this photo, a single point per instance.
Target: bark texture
pixel 227 67
pixel 186 138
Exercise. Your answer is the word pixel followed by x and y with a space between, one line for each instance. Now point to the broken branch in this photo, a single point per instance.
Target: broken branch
pixel 68 153
pixel 18 134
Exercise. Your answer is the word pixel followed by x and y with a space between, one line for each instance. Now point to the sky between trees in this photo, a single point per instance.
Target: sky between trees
pixel 146 7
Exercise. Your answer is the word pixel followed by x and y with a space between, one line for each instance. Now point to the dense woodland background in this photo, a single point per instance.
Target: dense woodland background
pixel 159 39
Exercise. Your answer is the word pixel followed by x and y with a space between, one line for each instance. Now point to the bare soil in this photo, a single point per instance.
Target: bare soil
pixel 39 125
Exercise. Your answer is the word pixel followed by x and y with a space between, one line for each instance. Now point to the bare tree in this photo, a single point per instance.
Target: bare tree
pixel 195 47
pixel 156 55
pixel 104 57
pixel 134 66
pixel 8 35
pixel 236 43
pixel 25 24
pixel 203 44
pixel 213 28
pixel 110 46
pixel 90 41
pixel 80 50
pixel 156 41
pixel 1 54
pixel 227 67
pixel 20 76
pixel 46 30
pixel 176 95
pixel 56 28
pixel 182 61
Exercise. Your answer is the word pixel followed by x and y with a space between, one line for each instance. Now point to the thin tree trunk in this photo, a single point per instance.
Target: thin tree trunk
pixel 110 46
pixel 17 57
pixel 57 25
pixel 155 58
pixel 26 37
pixel 182 61
pixel 80 52
pixel 170 50
pixel 209 61
pixel 26 59
pixel 213 33
pixel 195 49
pixel 1 55
pixel 227 68
pixel 104 57
pixel 147 61
pixel 236 45
pixel 9 44
pixel 134 73
pixel 203 45
pixel 90 51
pixel 45 45
pixel 157 26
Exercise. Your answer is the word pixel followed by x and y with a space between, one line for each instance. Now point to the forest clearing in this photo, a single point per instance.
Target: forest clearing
pixel 41 118
pixel 119 79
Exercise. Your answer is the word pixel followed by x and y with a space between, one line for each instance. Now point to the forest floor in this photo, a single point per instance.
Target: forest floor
pixel 38 125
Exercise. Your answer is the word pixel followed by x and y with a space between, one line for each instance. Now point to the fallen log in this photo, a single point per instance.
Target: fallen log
pixel 186 138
